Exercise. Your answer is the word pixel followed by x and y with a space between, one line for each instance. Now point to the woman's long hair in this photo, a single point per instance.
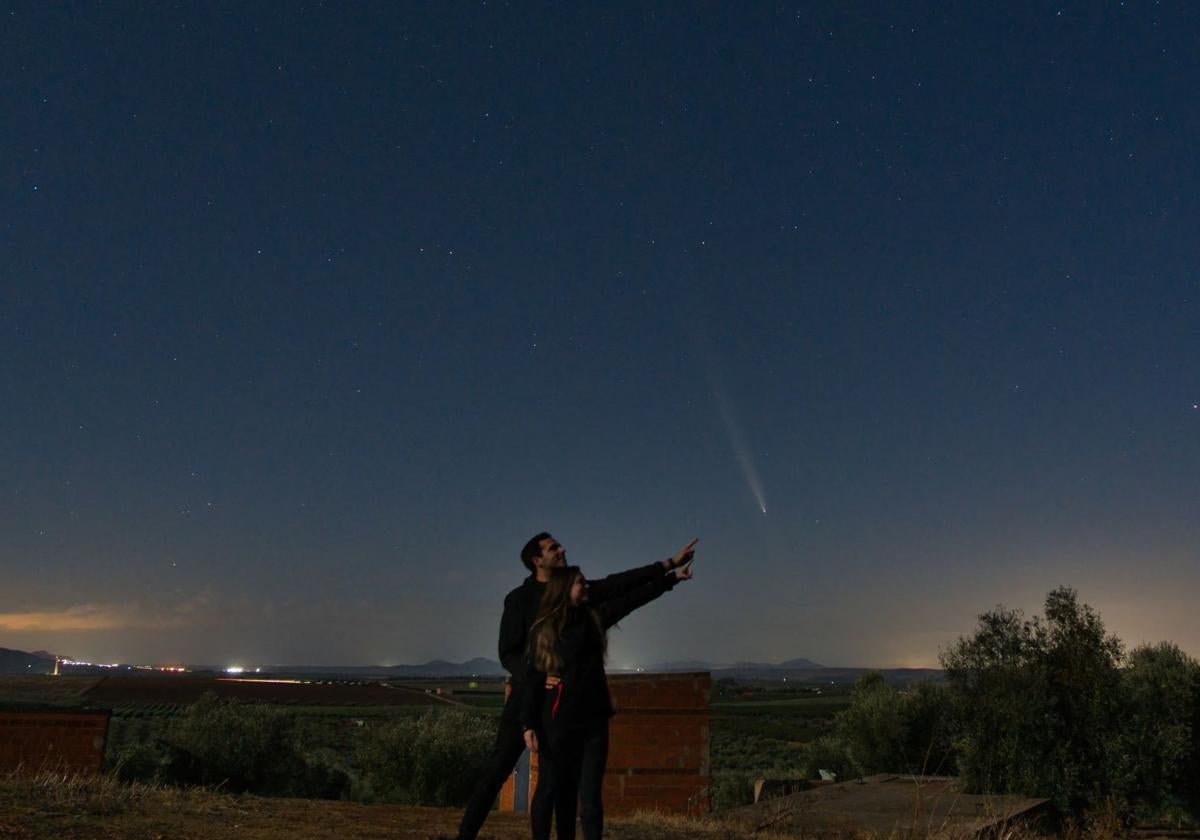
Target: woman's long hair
pixel 554 612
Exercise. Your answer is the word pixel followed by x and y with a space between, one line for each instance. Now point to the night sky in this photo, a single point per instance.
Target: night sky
pixel 312 314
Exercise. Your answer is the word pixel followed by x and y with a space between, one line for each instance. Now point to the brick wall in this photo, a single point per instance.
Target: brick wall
pixel 658 746
pixel 60 740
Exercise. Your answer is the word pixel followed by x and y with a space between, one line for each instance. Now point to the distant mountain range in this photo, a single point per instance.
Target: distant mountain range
pixel 41 662
pixel 437 668
pixel 20 662
pixel 798 669
pixel 699 665
pixel 802 670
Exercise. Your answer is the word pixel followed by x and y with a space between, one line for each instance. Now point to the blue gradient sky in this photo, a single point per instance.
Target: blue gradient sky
pixel 312 314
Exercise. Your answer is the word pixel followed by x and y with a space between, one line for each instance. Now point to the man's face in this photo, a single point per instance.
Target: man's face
pixel 553 554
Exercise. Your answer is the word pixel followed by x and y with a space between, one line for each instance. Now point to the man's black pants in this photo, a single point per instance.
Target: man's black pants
pixel 571 766
pixel 510 743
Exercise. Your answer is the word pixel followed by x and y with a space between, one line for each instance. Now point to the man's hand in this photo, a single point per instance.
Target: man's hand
pixel 552 680
pixel 683 573
pixel 531 740
pixel 685 555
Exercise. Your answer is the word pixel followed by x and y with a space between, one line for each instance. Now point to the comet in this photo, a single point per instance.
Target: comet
pixel 741 450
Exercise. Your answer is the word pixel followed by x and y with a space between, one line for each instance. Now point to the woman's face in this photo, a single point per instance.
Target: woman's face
pixel 578 591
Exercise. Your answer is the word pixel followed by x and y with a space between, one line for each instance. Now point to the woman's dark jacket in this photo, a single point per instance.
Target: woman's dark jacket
pixel 521 608
pixel 581 698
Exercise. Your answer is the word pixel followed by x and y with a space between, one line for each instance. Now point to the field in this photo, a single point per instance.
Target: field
pixel 483 692
pixel 329 712
pixel 112 692
pixel 44 690
pixel 758 728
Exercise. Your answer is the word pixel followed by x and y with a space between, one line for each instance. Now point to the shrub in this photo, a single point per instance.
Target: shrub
pixel 752 753
pixel 890 730
pixel 1159 744
pixel 832 754
pixel 325 776
pixel 929 729
pixel 1038 703
pixel 242 747
pixel 141 761
pixel 731 789
pixel 872 727
pixel 435 759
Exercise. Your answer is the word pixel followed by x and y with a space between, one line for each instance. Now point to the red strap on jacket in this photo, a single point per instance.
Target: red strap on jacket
pixel 557 700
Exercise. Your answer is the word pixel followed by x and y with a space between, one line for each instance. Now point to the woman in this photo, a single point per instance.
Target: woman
pixel 567 725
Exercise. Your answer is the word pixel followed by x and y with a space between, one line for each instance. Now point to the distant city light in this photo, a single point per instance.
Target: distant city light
pixel 234 669
pixel 79 663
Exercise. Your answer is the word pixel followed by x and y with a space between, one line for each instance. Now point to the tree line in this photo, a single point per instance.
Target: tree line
pixel 1049 706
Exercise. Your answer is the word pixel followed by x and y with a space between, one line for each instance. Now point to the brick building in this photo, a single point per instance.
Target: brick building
pixel 61 740
pixel 658 747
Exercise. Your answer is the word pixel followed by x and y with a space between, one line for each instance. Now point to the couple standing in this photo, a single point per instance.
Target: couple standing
pixel 553 638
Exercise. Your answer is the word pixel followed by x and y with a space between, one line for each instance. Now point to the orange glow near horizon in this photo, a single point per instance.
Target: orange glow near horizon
pixel 72 618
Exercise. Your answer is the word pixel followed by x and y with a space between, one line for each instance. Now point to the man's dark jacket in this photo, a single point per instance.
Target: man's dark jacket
pixel 521 608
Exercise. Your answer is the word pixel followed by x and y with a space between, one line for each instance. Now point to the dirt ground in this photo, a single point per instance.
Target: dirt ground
pixel 41 809
pixel 253 819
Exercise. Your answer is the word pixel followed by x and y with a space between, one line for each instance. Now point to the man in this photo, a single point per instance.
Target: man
pixel 541 553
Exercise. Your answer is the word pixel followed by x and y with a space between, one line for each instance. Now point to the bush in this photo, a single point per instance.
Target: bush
pixel 1159 744
pixel 324 776
pixel 889 730
pixel 241 747
pixel 929 730
pixel 748 753
pixel 831 754
pixel 872 728
pixel 1038 703
pixel 732 790
pixel 435 759
pixel 142 761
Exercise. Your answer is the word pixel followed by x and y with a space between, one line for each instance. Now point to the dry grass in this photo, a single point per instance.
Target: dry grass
pixel 49 805
pixel 650 826
pixel 54 793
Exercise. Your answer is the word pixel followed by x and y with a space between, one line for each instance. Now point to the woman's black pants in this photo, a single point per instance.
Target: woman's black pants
pixel 570 767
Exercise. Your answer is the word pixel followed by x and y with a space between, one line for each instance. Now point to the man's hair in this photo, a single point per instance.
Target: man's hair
pixel 532 549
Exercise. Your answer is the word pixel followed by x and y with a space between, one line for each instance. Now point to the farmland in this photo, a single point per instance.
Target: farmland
pixel 760 725
pixel 125 691
pixel 42 690
pixel 757 727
